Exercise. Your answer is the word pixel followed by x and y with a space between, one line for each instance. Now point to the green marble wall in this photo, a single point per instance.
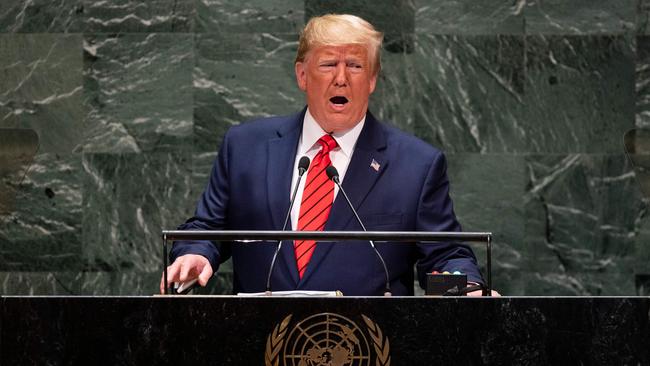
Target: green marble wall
pixel 529 98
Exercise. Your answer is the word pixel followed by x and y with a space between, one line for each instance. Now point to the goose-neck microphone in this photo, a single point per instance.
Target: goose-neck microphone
pixel 303 165
pixel 333 174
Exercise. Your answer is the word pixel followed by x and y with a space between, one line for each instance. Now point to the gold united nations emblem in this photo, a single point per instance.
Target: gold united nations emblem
pixel 326 339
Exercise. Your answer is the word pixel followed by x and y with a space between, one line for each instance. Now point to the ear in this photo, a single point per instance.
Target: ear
pixel 373 83
pixel 301 75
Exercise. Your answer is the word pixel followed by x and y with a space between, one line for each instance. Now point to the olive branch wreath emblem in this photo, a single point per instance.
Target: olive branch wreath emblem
pixel 275 340
pixel 382 347
pixel 274 343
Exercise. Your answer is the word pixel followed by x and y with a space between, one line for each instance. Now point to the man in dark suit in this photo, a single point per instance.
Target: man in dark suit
pixel 395 181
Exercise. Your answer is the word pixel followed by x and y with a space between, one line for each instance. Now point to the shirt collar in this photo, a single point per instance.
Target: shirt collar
pixel 312 131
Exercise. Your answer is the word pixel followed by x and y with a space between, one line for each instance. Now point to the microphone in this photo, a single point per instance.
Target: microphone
pixel 333 174
pixel 303 165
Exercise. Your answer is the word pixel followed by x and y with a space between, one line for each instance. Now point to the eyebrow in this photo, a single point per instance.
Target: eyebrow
pixel 331 58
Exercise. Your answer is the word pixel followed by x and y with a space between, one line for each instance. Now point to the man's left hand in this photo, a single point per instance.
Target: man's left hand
pixel 479 293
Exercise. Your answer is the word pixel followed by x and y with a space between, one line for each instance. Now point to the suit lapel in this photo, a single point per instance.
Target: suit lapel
pixel 279 170
pixel 359 179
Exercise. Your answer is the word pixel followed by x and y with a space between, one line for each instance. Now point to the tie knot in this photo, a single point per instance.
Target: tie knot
pixel 328 143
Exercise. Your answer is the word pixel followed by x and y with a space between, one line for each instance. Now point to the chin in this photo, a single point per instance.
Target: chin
pixel 339 125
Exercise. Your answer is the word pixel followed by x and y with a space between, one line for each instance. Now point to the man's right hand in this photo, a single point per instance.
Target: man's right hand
pixel 186 268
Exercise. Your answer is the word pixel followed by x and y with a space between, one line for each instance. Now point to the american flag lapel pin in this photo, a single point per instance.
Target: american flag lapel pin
pixel 375 165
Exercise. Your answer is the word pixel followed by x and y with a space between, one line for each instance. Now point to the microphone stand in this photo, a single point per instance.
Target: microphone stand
pixel 334 176
pixel 303 164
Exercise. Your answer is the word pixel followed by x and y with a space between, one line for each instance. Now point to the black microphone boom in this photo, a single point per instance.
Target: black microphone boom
pixel 333 174
pixel 303 165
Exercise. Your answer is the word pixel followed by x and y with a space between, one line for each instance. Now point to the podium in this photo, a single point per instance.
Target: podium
pixel 231 330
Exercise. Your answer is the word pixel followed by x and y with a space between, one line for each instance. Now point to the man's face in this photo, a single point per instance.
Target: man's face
pixel 338 82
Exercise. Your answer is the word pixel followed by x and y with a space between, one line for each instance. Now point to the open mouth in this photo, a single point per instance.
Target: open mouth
pixel 339 100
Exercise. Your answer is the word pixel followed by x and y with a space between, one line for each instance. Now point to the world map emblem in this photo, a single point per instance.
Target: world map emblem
pixel 327 339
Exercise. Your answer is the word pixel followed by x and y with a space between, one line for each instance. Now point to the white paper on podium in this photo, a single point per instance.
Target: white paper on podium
pixel 294 293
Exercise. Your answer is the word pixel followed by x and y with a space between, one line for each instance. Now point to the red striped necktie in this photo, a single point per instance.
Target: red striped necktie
pixel 317 197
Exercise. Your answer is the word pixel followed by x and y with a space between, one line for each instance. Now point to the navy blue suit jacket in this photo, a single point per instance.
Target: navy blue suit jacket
pixel 249 189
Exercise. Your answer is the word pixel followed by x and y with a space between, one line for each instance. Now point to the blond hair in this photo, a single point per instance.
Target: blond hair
pixel 338 30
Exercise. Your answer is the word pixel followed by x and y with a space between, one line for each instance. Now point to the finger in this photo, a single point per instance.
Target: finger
pixel 186 267
pixel 480 293
pixel 205 274
pixel 172 273
pixel 162 283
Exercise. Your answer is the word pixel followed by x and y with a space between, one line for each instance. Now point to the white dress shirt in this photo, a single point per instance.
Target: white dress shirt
pixel 309 146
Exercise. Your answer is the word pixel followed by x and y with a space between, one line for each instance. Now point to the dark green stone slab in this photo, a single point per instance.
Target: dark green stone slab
pixel 128 200
pixel 41 88
pixel 40 283
pixel 643 81
pixel 572 94
pixel 201 168
pixel 394 99
pixel 43 232
pixel 637 150
pixel 241 76
pixel 18 148
pixel 488 191
pixel 112 16
pixel 642 253
pixel 469 17
pixel 579 93
pixel 583 215
pixel 41 16
pixel 120 283
pixel 249 16
pixel 390 17
pixel 138 88
pixel 557 283
pixel 136 283
pixel 126 16
pixel 580 16
pixel 395 18
pixel 643 17
pixel 466 89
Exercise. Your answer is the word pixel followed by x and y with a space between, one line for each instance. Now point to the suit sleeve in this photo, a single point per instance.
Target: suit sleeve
pixel 211 214
pixel 436 213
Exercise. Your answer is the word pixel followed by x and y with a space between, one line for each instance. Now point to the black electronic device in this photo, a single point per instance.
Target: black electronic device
pixel 445 284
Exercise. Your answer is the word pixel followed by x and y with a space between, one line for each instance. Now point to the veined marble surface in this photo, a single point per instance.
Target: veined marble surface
pixel 583 216
pixel 44 231
pixel 529 99
pixel 249 16
pixel 580 16
pixel 41 88
pixel 525 94
pixel 129 236
pixel 18 147
pixel 469 17
pixel 241 76
pixel 113 16
pixel 123 75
